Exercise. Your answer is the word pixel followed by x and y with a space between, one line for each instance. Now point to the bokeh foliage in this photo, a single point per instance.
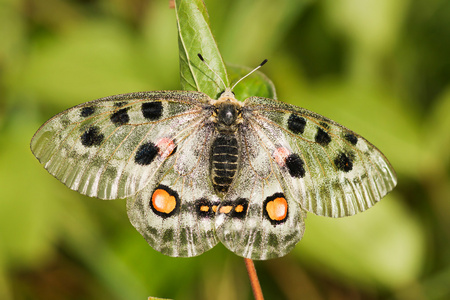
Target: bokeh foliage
pixel 379 67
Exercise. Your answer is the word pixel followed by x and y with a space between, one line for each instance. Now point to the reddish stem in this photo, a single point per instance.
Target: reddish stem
pixel 256 287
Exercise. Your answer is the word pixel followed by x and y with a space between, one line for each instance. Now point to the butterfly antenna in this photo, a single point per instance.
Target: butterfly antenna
pixel 248 74
pixel 203 60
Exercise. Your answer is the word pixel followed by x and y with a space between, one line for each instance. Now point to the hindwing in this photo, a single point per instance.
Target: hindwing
pixel 176 210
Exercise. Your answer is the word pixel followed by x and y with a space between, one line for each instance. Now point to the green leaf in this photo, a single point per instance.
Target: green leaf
pixel 256 84
pixel 194 37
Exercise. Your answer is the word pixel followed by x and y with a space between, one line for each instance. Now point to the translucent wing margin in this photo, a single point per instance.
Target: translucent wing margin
pixel 112 147
pixel 330 170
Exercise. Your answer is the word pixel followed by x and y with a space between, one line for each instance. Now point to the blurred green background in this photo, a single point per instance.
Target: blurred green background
pixel 379 67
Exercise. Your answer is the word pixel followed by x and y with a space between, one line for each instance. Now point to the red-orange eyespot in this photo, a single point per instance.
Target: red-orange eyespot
pixel 164 201
pixel 214 208
pixel 276 208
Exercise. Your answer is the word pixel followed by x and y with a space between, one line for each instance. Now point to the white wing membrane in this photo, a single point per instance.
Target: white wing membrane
pixel 343 173
pixel 92 147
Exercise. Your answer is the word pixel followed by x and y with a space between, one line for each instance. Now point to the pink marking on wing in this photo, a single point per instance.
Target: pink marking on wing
pixel 280 154
pixel 165 146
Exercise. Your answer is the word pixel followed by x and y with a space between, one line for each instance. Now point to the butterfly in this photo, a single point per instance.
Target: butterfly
pixel 196 170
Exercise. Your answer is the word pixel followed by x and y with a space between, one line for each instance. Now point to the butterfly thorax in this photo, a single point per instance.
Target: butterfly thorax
pixel 225 148
pixel 227 112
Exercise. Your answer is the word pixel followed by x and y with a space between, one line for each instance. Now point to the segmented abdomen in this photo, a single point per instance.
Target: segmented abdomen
pixel 224 161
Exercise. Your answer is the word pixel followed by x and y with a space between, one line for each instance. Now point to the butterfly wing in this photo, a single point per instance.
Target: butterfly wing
pixel 175 211
pixel 112 147
pixel 258 218
pixel 329 169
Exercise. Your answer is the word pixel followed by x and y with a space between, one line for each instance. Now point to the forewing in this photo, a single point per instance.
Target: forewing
pixel 258 218
pixel 175 211
pixel 330 170
pixel 112 147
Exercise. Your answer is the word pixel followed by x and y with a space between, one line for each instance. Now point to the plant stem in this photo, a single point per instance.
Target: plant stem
pixel 256 287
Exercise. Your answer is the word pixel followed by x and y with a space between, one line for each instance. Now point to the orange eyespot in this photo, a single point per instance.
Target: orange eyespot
pixel 214 208
pixel 225 209
pixel 163 202
pixel 204 208
pixel 239 208
pixel 277 209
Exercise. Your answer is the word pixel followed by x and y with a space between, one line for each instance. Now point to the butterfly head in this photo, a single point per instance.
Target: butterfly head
pixel 227 95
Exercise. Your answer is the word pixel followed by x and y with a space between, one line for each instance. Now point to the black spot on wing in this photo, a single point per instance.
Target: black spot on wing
pixel 120 117
pixel 322 137
pixel 234 209
pixel 205 208
pixel 119 104
pixel 344 162
pixel 240 208
pixel 92 137
pixel 152 110
pixel 353 139
pixel 87 111
pixel 296 124
pixel 295 165
pixel 146 154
